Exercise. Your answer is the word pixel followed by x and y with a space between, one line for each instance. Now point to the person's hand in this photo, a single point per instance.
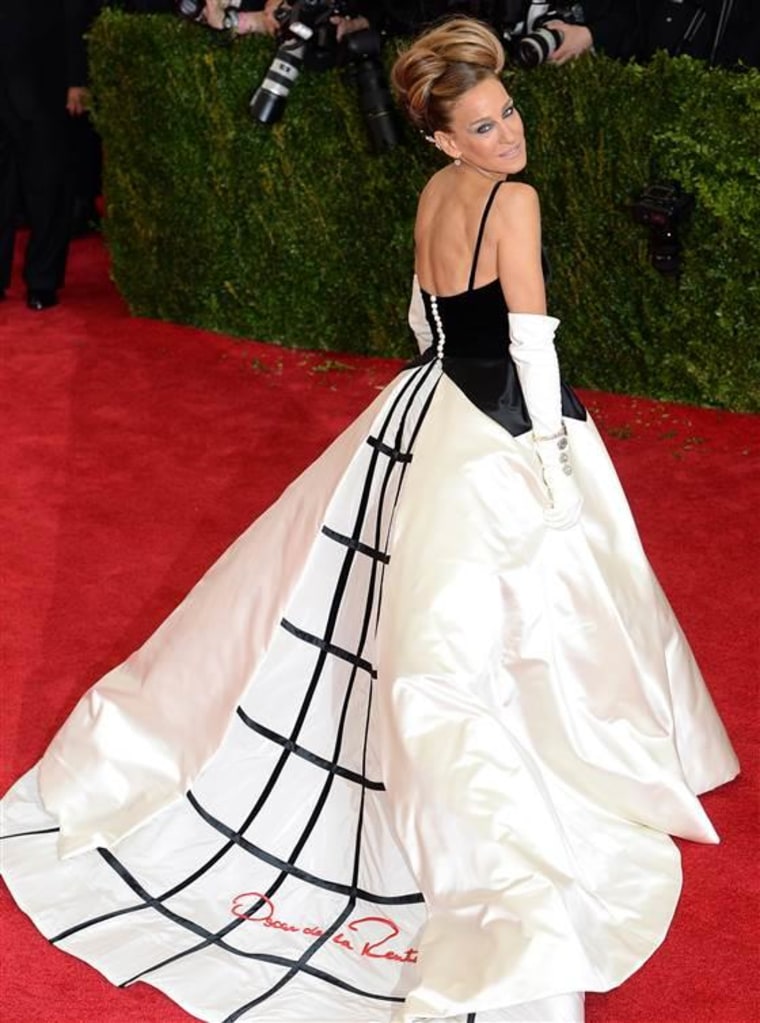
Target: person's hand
pixel 261 22
pixel 269 22
pixel 344 26
pixel 576 39
pixel 248 22
pixel 269 8
pixel 77 100
pixel 564 500
pixel 213 14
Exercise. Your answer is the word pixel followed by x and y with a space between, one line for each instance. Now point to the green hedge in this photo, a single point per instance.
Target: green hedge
pixel 298 235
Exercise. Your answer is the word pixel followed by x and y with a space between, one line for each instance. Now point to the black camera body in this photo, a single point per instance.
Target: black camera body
pixel 307 38
pixel 662 208
pixel 530 42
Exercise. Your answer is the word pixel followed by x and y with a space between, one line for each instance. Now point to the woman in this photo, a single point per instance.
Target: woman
pixel 413 747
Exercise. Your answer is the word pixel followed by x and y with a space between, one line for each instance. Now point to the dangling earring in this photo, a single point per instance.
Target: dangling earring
pixel 457 162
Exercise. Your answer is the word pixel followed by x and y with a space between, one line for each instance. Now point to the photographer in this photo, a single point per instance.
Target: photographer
pixel 608 26
pixel 313 34
pixel 257 17
pixel 723 32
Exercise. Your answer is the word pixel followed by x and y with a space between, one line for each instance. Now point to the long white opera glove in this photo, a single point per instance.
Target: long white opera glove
pixel 531 345
pixel 417 319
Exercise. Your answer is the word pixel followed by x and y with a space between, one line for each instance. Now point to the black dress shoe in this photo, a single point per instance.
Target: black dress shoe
pixel 38 299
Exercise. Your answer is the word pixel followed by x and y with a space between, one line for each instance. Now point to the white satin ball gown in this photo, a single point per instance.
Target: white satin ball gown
pixel 406 752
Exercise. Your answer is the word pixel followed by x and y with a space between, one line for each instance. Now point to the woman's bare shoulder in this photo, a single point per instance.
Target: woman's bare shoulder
pixel 517 214
pixel 518 200
pixel 434 186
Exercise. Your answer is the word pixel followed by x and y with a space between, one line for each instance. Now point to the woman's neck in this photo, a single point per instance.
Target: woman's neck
pixel 491 175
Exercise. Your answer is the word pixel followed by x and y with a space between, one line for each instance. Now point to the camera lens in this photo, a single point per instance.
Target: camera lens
pixel 361 51
pixel 191 9
pixel 268 102
pixel 534 48
pixel 377 108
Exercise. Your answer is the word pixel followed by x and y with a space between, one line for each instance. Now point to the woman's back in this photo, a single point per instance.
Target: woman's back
pixel 450 215
pixel 472 231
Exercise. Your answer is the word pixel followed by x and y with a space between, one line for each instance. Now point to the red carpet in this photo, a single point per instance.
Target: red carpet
pixel 133 452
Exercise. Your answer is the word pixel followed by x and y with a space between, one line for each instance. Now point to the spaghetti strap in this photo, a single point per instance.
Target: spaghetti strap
pixel 482 228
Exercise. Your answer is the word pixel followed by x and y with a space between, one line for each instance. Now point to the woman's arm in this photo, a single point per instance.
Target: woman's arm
pixel 518 251
pixel 531 345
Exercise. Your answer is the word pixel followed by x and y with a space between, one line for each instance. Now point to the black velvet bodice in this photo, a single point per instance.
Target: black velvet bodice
pixel 475 323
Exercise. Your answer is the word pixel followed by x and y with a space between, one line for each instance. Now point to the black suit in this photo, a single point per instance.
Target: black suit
pixel 637 28
pixel 724 33
pixel 42 53
pixel 614 26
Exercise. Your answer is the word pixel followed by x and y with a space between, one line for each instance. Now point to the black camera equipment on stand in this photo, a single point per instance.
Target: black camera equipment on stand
pixel 663 208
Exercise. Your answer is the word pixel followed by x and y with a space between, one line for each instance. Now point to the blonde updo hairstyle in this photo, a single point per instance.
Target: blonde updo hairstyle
pixel 440 66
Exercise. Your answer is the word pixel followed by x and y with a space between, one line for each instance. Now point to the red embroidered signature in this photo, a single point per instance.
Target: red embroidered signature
pixel 378 948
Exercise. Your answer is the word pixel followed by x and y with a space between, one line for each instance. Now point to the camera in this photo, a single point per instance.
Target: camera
pixel 530 42
pixel 364 68
pixel 307 37
pixel 662 207
pixel 193 9
pixel 300 24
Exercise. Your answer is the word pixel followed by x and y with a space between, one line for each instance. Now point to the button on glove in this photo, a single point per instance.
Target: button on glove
pixel 564 499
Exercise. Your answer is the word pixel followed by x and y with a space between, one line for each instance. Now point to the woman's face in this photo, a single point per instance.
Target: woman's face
pixel 486 130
